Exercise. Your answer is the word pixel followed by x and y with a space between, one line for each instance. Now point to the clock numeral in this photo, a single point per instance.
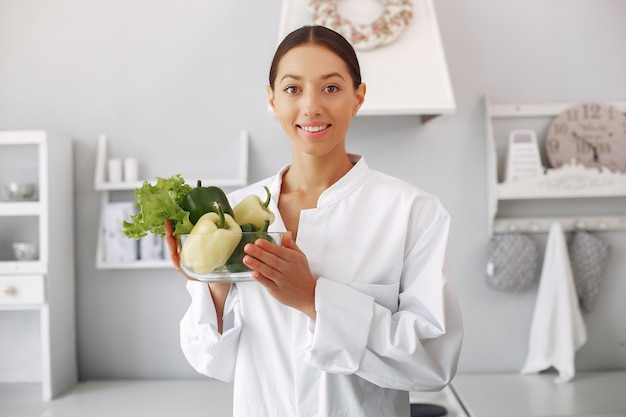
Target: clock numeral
pixel 572 115
pixel 553 146
pixel 560 128
pixel 604 148
pixel 592 111
pixel 611 113
pixel 582 148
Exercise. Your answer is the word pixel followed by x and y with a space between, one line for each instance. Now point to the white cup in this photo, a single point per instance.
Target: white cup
pixel 131 170
pixel 115 170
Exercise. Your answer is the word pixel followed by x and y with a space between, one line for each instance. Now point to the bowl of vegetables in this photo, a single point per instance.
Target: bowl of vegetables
pixel 211 233
pixel 217 256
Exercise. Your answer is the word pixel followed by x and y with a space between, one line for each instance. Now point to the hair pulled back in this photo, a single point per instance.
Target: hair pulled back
pixel 318 35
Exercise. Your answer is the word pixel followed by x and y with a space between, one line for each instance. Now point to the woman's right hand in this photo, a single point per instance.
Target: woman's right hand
pixel 172 245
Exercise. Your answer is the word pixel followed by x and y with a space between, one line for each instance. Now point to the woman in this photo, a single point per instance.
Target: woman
pixel 360 310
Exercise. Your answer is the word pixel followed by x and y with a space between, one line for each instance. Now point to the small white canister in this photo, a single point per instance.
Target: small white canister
pixel 131 170
pixel 115 170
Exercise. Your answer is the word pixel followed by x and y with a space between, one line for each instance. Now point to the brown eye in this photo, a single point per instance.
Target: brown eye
pixel 290 89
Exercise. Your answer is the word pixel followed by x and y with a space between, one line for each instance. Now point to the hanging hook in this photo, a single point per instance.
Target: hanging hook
pixel 579 225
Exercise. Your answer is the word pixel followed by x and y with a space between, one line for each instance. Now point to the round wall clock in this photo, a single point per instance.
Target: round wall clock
pixel 593 134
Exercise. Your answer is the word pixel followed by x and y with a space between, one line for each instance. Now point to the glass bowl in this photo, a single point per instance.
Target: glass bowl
pixel 217 257
pixel 20 191
pixel 25 251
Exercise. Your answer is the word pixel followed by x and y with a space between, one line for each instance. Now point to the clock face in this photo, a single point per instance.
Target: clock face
pixel 593 134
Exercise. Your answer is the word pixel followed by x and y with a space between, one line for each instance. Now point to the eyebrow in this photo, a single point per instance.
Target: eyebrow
pixel 323 77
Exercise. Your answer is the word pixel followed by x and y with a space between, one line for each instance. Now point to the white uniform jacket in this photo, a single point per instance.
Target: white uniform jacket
pixel 388 321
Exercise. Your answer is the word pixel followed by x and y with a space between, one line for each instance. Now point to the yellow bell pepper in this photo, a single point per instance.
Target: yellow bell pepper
pixel 253 210
pixel 211 242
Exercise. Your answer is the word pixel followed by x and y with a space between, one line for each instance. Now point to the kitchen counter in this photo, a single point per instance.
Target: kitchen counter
pixel 159 398
pixel 598 394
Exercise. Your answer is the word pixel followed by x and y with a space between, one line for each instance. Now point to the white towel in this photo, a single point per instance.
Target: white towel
pixel 558 329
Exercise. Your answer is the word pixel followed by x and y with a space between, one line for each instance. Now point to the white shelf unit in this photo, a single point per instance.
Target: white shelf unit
pixel 570 181
pixel 38 293
pixel 106 188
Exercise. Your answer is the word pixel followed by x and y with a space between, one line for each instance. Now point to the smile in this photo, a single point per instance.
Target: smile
pixel 314 129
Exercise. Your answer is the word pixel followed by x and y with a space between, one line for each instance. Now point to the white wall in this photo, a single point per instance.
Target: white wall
pixel 169 82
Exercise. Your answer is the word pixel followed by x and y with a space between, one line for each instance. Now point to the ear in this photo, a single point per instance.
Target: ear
pixel 270 97
pixel 359 94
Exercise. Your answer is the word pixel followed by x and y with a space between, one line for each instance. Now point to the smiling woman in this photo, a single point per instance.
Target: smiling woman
pixel 349 318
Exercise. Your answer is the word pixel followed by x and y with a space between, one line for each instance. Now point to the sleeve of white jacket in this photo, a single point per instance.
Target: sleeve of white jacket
pixel 207 351
pixel 415 348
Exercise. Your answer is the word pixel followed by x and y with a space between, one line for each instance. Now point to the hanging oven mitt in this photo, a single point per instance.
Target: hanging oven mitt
pixel 588 256
pixel 512 262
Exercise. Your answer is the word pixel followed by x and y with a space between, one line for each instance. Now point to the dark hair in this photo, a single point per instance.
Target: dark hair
pixel 318 35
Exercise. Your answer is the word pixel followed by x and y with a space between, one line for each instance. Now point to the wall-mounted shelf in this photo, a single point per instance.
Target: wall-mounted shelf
pixel 106 188
pixel 570 181
pixel 100 183
pixel 569 224
pixel 19 208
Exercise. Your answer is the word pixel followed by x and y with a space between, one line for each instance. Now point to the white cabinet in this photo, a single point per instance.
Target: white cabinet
pixel 108 188
pixel 37 297
pixel 21 290
pixel 567 182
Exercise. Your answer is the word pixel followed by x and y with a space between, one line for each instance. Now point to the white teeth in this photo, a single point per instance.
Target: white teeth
pixel 313 129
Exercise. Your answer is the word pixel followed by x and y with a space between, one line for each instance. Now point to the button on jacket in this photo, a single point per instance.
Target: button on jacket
pixel 388 320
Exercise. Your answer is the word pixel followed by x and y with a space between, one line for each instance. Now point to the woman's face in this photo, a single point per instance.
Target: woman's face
pixel 314 99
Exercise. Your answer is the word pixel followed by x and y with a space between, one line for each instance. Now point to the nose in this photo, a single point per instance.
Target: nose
pixel 312 103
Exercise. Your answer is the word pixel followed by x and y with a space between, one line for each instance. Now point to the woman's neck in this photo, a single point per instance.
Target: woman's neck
pixel 313 174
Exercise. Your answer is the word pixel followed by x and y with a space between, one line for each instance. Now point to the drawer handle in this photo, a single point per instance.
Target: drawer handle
pixel 10 290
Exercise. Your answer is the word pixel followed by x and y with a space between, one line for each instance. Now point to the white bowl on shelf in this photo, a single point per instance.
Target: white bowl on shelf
pixel 20 191
pixel 25 251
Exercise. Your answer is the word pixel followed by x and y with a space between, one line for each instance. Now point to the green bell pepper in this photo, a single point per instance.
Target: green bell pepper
pixel 201 200
pixel 235 262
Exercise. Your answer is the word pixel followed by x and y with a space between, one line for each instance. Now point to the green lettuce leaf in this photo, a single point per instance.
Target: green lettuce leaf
pixel 157 204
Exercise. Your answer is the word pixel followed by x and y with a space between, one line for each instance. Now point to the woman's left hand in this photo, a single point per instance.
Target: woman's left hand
pixel 284 272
